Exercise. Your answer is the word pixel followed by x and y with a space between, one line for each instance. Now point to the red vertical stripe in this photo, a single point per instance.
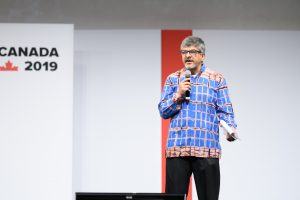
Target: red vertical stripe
pixel 170 62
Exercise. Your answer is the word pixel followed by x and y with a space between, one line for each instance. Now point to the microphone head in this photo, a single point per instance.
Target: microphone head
pixel 187 73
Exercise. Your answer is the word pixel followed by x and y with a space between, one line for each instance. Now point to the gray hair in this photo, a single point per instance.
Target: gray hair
pixel 195 42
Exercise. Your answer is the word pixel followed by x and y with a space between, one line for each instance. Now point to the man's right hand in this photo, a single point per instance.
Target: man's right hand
pixel 184 86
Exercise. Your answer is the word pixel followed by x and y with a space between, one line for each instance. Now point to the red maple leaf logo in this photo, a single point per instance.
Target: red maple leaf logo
pixel 8 67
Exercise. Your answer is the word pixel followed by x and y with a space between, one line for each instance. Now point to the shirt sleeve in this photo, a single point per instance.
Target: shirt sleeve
pixel 224 105
pixel 170 104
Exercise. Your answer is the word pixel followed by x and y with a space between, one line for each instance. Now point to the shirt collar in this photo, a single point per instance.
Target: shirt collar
pixel 203 68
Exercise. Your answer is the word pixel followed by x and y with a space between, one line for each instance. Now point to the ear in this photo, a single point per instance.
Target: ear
pixel 203 56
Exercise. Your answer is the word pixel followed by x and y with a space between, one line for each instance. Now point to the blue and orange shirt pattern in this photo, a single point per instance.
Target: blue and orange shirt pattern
pixel 194 125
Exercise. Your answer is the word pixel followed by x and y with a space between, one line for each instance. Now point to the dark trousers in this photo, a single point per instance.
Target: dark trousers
pixel 206 173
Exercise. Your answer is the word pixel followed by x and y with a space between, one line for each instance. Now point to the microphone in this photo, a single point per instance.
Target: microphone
pixel 188 93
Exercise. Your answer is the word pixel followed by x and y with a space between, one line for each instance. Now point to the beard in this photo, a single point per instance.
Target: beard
pixel 190 66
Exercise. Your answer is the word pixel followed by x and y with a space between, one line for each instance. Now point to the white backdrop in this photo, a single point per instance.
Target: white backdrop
pixel 36 116
pixel 262 69
pixel 117 126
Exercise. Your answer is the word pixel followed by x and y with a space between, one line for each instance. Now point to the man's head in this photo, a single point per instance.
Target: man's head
pixel 192 51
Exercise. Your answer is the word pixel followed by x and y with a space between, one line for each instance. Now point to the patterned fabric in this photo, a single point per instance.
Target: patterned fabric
pixel 194 126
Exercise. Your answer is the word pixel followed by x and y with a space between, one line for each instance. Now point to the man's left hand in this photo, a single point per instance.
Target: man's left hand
pixel 231 137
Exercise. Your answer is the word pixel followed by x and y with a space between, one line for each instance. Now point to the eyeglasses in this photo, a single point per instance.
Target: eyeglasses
pixel 192 52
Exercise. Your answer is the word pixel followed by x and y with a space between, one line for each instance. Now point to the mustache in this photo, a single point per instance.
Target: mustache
pixel 188 60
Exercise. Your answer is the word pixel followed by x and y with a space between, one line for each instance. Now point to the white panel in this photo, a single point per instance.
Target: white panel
pixel 117 143
pixel 36 116
pixel 262 69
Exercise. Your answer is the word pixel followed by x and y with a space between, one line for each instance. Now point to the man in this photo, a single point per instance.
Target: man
pixel 193 140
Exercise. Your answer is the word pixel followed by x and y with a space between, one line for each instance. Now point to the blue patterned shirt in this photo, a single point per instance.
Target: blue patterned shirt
pixel 194 126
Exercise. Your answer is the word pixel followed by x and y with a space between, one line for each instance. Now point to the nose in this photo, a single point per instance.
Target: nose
pixel 188 55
